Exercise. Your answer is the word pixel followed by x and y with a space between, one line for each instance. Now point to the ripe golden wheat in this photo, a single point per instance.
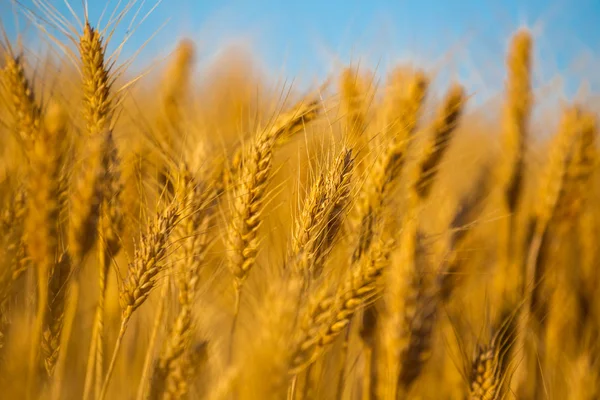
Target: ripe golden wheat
pixel 359 243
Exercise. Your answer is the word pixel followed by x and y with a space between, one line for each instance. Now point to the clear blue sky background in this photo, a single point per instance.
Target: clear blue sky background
pixel 308 38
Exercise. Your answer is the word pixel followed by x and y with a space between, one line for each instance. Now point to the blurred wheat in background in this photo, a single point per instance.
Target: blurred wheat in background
pixel 167 239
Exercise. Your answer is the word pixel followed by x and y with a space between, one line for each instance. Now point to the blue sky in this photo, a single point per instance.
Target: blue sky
pixel 308 38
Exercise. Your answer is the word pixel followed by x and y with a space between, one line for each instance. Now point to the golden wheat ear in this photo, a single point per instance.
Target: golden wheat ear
pixel 466 215
pixel 248 197
pixel 322 216
pixel 491 370
pixel 517 109
pixel 172 370
pixel 444 126
pixel 12 250
pixel 45 152
pixel 354 105
pixel 110 228
pixel 326 315
pixel 25 109
pixel 143 272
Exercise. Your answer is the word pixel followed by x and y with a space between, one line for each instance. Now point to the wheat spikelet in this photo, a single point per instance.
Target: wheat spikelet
pixel 86 198
pixel 146 266
pixel 25 109
pixel 41 234
pixel 248 196
pixel 331 314
pixel 110 227
pixel 559 176
pixel 192 233
pixel 491 370
pixel 354 104
pixel 310 229
pixel 552 184
pixel 248 203
pixel 176 82
pixel 516 114
pixel 418 320
pixel 468 211
pixel 45 163
pixel 42 228
pixel 515 117
pixel 321 219
pixel 170 371
pixel 174 95
pixel 11 251
pixel 410 90
pixel 191 364
pixel 309 225
pixel 97 83
pixel 57 294
pixel 380 183
pixel 12 224
pixel 142 275
pixel 323 215
pixel 579 170
pixel 444 125
pixel 98 111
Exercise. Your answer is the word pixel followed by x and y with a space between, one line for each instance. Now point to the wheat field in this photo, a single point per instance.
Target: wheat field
pixel 216 236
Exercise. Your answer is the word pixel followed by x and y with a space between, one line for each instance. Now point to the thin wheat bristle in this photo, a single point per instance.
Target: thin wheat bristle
pixel 285 126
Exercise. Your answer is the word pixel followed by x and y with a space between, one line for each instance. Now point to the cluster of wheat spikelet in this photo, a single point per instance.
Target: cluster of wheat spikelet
pixel 359 243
